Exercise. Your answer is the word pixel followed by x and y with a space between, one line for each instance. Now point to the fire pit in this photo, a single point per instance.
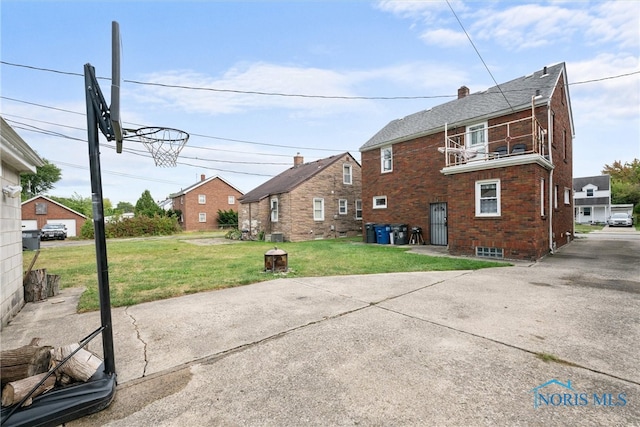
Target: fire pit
pixel 276 260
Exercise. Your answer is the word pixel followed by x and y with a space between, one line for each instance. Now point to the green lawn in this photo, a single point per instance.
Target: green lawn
pixel 151 269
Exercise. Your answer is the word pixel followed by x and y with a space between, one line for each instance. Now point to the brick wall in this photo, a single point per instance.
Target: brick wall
pixel 521 231
pixel 295 219
pixel 54 211
pixel 216 193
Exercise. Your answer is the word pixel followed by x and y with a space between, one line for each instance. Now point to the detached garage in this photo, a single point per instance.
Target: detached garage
pixel 41 210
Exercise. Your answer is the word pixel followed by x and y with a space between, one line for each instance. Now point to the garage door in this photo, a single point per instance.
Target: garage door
pixel 29 224
pixel 70 223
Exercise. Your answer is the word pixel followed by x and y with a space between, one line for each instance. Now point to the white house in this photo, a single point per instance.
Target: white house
pixel 592 199
pixel 16 157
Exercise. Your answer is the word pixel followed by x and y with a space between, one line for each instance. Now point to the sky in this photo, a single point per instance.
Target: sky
pixel 256 82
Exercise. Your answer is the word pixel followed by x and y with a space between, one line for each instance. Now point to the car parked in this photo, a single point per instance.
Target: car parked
pixel 53 232
pixel 620 220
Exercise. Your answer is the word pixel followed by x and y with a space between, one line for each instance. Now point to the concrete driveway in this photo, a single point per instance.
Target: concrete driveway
pixel 548 343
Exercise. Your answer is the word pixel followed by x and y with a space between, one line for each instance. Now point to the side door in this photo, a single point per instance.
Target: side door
pixel 438 224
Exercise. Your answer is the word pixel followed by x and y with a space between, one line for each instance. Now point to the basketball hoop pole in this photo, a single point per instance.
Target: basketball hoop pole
pixel 97 116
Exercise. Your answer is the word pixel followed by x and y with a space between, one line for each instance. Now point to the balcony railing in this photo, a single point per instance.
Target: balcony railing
pixel 486 144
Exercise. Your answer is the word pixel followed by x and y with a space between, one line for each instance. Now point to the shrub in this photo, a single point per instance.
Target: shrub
pixel 227 218
pixel 135 227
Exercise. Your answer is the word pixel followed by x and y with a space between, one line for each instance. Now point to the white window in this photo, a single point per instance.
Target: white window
pixel 488 198
pixel 274 210
pixel 202 199
pixel 202 217
pixel 342 206
pixel 567 196
pixel 542 204
pixel 318 209
pixel 586 211
pixel 386 159
pixel 555 197
pixel 477 137
pixel 589 192
pixel 358 209
pixel 346 174
pixel 231 200
pixel 380 202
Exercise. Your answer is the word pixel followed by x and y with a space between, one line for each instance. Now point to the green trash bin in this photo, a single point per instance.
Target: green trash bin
pixel 30 240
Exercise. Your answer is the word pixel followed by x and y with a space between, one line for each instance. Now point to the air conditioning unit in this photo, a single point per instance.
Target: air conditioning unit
pixel 277 237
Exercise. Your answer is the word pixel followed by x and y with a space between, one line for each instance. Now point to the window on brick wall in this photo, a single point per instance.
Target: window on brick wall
pixel 274 210
pixel 555 197
pixel 202 217
pixel 202 199
pixel 488 197
pixel 542 199
pixel 342 206
pixel 358 209
pixel 346 174
pixel 386 159
pixel 41 208
pixel 380 202
pixel 567 196
pixel 318 209
pixel 231 200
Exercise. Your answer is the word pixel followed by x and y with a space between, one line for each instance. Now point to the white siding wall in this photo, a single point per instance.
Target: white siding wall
pixel 11 290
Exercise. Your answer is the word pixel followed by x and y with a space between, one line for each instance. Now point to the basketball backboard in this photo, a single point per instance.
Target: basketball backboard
pixel 114 109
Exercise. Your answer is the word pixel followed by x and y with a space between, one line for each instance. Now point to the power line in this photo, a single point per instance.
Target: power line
pixel 297 148
pixel 480 56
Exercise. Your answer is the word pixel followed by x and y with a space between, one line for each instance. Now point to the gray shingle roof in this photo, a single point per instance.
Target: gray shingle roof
pixel 479 105
pixel 600 181
pixel 290 179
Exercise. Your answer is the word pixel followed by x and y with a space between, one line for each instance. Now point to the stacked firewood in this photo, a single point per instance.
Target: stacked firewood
pixel 21 369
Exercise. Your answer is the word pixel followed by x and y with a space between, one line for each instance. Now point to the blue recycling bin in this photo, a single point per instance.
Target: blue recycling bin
pixel 382 233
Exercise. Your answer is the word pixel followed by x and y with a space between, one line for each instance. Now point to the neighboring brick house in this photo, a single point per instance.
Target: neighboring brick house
pixel 487 174
pixel 40 210
pixel 199 203
pixel 315 200
pixel 592 199
pixel 16 157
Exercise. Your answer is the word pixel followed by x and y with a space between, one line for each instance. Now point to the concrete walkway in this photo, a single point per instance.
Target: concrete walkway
pixel 440 348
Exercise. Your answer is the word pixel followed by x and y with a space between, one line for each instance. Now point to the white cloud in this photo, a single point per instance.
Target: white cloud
pixel 444 37
pixel 610 99
pixel 272 78
pixel 618 22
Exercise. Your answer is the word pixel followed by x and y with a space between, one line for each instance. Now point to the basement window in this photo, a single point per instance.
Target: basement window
pixel 486 252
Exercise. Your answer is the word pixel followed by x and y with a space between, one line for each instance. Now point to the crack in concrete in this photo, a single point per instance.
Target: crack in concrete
pixel 144 344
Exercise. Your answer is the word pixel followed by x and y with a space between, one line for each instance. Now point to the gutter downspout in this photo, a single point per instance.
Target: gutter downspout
pixel 551 207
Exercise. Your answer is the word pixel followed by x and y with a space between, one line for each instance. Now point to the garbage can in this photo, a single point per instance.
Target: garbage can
pixel 30 240
pixel 382 233
pixel 400 234
pixel 371 232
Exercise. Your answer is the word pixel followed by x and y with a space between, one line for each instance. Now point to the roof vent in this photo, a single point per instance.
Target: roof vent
pixel 544 71
pixel 537 93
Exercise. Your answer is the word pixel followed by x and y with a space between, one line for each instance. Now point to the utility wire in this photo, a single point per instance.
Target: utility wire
pixel 480 56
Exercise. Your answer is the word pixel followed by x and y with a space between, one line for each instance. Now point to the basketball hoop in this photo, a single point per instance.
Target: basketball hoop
pixel 164 144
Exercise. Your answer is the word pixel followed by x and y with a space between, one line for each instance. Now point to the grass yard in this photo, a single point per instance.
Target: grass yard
pixel 152 269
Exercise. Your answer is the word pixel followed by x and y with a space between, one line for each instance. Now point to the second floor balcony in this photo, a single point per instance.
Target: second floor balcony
pixel 520 141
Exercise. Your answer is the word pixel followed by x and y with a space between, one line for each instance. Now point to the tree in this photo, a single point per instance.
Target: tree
pixel 146 206
pixel 41 181
pixel 625 182
pixel 125 207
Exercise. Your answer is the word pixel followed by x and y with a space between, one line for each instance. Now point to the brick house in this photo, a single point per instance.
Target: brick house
pixel 16 157
pixel 40 210
pixel 200 202
pixel 314 200
pixel 487 174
